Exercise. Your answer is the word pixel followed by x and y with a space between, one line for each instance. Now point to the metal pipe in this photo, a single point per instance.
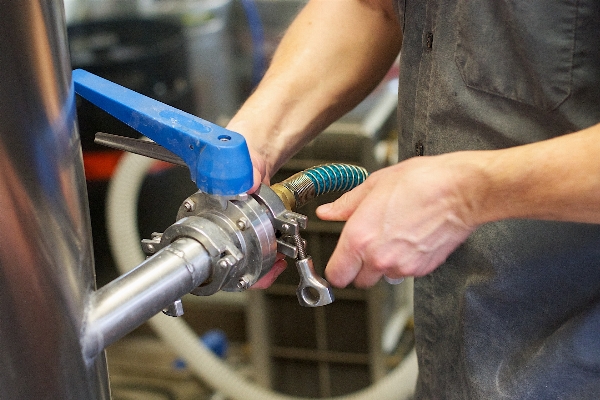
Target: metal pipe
pixel 46 262
pixel 125 303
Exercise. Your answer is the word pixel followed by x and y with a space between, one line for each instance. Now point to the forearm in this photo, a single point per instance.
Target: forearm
pixel 332 56
pixel 557 179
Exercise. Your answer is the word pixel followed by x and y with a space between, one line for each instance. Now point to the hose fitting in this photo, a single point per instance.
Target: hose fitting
pixel 304 186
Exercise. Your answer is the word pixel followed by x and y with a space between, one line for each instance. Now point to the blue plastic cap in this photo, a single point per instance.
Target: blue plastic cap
pixel 216 341
pixel 218 159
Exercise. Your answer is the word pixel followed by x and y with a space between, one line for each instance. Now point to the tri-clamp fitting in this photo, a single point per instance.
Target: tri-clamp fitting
pixel 242 237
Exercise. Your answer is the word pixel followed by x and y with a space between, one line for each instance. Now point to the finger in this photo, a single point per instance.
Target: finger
pixel 257 180
pixel 344 264
pixel 345 205
pixel 271 276
pixel 258 171
pixel 392 276
pixel 366 278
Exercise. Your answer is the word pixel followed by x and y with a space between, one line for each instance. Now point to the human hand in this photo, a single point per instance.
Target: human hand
pixel 403 220
pixel 259 169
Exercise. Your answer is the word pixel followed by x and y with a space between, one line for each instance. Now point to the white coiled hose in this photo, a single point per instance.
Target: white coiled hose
pixel 124 238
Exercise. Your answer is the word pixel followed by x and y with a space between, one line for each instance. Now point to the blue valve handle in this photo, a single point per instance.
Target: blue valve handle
pixel 218 159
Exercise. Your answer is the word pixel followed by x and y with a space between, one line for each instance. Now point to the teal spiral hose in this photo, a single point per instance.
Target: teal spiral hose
pixel 322 179
pixel 329 178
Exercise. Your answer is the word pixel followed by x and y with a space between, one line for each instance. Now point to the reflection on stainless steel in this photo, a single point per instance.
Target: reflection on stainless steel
pixel 124 304
pixel 46 267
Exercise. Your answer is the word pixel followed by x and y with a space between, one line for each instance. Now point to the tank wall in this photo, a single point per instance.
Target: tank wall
pixel 46 261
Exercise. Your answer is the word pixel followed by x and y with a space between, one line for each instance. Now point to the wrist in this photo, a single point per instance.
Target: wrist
pixel 473 187
pixel 275 126
pixel 507 184
pixel 258 141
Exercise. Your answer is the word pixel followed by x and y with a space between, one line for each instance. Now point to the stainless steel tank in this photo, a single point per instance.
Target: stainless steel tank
pixel 46 263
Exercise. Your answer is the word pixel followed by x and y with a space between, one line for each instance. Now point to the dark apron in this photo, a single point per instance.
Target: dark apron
pixel 514 313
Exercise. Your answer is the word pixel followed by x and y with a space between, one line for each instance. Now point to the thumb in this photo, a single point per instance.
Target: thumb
pixel 259 171
pixel 345 205
pixel 257 180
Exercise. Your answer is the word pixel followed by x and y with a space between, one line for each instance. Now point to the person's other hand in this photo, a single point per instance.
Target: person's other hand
pixel 403 220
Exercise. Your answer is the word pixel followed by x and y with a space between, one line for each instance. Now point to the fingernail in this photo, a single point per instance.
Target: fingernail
pixel 325 208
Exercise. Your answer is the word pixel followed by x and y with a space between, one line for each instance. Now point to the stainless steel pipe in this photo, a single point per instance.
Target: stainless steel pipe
pixel 125 303
pixel 46 263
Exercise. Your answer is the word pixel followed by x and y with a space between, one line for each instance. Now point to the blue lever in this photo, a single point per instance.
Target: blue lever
pixel 218 159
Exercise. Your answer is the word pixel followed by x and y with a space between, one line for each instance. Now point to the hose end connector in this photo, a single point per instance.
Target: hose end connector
pixel 286 195
pixel 304 186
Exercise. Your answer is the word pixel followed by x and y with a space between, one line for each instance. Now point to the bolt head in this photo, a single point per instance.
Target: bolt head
pixel 243 284
pixel 242 224
pixel 189 205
